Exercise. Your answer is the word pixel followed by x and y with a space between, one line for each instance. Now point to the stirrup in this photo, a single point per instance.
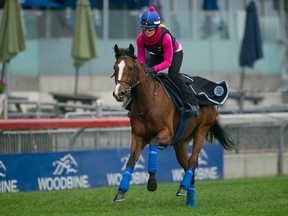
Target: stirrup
pixel 191 110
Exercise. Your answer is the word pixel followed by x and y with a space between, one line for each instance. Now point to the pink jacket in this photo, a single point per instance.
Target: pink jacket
pixel 167 47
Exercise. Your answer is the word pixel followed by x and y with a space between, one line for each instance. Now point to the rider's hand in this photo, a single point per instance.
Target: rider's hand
pixel 150 70
pixel 144 65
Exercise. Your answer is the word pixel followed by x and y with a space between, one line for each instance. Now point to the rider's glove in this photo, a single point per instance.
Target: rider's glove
pixel 144 65
pixel 150 70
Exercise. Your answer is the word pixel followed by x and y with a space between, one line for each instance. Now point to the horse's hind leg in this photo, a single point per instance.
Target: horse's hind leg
pixel 189 177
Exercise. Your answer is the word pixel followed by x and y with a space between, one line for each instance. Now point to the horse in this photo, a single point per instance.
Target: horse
pixel 154 120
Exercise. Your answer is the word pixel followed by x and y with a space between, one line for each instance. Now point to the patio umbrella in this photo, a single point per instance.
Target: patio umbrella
pixel 12 39
pixel 212 18
pixel 84 37
pixel 251 49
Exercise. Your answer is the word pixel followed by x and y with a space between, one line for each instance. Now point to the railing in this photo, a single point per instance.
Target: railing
pixel 24 108
pixel 251 133
pixel 49 135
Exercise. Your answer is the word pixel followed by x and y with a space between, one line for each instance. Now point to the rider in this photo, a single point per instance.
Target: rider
pixel 165 52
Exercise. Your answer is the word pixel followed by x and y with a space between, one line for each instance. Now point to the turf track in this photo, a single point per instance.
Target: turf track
pixel 251 196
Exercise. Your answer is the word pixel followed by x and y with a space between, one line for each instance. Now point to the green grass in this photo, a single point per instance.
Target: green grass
pixel 251 196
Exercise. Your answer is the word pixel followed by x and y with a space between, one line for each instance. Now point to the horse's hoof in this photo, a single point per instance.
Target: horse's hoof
pixel 119 196
pixel 152 184
pixel 181 191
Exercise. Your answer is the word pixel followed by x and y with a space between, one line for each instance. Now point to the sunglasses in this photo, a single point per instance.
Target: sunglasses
pixel 148 29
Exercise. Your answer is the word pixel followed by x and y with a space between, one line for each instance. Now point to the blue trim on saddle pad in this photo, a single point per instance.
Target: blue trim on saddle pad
pixel 179 105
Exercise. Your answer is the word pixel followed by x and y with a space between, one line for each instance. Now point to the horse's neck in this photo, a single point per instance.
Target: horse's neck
pixel 145 89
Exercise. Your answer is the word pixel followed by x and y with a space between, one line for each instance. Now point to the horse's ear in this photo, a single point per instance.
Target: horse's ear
pixel 131 49
pixel 116 49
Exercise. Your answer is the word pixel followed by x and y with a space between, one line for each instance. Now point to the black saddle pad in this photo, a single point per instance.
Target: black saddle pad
pixel 206 91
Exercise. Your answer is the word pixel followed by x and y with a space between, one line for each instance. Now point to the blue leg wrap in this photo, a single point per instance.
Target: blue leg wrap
pixel 187 178
pixel 125 181
pixel 152 163
pixel 190 201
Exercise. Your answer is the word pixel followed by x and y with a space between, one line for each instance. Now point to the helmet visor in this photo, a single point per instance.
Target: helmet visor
pixel 147 24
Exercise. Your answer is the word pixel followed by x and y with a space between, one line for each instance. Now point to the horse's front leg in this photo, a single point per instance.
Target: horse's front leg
pixel 152 164
pixel 164 137
pixel 181 150
pixel 136 148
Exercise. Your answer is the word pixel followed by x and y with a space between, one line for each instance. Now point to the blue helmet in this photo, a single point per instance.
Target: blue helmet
pixel 150 18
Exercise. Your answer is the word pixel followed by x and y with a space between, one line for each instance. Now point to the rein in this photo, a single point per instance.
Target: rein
pixel 134 97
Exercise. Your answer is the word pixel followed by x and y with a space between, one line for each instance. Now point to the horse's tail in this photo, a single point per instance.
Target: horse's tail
pixel 218 132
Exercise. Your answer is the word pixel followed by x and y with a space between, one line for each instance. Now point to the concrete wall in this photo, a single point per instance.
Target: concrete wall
pixel 253 165
pixel 53 57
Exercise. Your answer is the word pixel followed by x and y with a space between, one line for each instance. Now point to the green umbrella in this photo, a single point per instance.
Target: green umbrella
pixel 84 37
pixel 12 39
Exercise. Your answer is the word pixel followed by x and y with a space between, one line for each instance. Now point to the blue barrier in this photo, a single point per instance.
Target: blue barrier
pixel 97 168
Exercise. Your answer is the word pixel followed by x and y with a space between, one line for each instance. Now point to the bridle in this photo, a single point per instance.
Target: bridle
pixel 131 81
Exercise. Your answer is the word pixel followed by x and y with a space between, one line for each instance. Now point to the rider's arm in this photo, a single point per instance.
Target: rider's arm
pixel 168 54
pixel 140 49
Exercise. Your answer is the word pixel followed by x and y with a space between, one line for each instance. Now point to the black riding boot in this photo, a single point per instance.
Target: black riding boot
pixel 190 102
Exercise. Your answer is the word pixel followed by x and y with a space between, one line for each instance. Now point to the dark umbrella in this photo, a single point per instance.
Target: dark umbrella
pixel 251 49
pixel 12 39
pixel 84 37
pixel 54 4
pixel 210 5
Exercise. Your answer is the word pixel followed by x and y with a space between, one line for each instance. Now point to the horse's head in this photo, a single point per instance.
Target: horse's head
pixel 126 68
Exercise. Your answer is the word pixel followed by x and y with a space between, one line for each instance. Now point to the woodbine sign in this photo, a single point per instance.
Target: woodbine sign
pixel 97 168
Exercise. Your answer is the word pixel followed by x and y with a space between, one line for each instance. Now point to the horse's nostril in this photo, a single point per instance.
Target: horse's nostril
pixel 122 94
pixel 114 95
pixel 119 96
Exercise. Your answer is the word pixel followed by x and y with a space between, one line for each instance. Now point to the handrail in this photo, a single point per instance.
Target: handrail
pixel 55 123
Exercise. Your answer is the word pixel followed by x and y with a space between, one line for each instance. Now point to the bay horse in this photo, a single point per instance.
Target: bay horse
pixel 154 120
